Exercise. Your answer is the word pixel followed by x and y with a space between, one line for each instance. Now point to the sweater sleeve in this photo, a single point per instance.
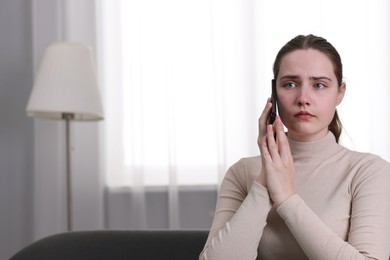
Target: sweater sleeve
pixel 369 233
pixel 239 219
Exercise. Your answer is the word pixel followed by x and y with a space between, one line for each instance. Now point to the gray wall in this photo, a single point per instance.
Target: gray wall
pixel 16 129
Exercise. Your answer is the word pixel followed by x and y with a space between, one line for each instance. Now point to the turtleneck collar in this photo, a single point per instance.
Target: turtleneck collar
pixel 321 148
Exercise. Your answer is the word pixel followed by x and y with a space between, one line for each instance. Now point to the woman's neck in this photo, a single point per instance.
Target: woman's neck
pixel 318 149
pixel 307 137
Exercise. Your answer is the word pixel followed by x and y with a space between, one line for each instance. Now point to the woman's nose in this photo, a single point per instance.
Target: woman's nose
pixel 303 96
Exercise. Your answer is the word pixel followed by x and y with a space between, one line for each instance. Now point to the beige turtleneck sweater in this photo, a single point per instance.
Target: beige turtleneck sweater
pixel 341 209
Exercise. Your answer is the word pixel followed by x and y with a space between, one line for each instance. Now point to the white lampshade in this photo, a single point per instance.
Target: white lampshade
pixel 66 83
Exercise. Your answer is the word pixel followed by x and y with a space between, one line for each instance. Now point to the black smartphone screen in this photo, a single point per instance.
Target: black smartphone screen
pixel 273 100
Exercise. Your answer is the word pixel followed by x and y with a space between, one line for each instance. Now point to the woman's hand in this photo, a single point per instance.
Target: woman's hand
pixel 277 164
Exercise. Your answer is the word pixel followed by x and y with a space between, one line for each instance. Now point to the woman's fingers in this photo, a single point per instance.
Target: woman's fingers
pixel 264 117
pixel 282 141
pixel 271 144
pixel 276 144
pixel 278 163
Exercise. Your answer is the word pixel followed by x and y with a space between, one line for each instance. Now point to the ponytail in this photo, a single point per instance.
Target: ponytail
pixel 335 126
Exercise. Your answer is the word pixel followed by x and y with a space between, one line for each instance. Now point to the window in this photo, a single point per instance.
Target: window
pixel 185 81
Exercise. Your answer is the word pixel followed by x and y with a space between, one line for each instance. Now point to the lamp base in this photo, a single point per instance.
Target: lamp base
pixel 69 202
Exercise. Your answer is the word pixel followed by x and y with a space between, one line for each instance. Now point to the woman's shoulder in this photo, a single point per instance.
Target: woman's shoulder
pixel 364 158
pixel 367 164
pixel 368 172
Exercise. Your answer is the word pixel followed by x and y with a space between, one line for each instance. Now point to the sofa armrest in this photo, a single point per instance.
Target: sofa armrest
pixel 117 245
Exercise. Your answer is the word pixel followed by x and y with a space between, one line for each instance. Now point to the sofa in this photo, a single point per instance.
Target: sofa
pixel 117 245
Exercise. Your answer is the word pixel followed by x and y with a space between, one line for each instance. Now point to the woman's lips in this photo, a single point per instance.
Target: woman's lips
pixel 304 115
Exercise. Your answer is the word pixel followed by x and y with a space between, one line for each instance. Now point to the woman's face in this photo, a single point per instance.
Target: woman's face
pixel 308 94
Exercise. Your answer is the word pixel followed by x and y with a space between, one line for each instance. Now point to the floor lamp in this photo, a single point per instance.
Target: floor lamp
pixel 66 88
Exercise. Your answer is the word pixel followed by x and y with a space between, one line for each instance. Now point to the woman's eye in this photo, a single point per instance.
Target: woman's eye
pixel 319 85
pixel 290 85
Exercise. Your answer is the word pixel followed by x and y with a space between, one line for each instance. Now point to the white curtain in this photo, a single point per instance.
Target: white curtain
pixel 179 88
pixel 183 84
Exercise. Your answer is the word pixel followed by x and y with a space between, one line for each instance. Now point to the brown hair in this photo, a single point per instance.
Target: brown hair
pixel 302 42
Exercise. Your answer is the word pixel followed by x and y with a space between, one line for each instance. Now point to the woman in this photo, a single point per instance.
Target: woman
pixel 306 196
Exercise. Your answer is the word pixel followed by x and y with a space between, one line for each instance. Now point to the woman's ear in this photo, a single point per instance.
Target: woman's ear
pixel 341 93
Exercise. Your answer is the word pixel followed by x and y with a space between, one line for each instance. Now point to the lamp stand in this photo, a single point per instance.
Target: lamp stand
pixel 69 203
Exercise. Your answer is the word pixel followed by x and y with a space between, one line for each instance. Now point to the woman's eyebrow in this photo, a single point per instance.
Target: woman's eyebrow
pixel 290 77
pixel 294 77
pixel 321 78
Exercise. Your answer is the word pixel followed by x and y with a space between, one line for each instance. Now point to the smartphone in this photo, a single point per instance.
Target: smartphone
pixel 273 114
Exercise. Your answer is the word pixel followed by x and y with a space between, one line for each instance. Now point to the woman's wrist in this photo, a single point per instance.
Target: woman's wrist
pixel 261 179
pixel 280 198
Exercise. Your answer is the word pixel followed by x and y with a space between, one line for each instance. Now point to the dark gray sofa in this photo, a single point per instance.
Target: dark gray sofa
pixel 117 245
